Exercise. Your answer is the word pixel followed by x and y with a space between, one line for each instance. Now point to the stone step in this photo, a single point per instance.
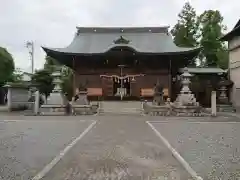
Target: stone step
pixel 119 113
pixel 120 110
pixel 226 108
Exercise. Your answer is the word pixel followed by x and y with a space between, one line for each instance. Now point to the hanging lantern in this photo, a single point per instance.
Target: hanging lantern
pixel 125 80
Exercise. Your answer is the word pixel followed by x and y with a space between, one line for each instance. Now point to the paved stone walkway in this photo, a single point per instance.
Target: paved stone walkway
pixel 118 148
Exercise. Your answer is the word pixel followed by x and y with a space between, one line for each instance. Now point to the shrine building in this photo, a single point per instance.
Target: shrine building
pixel 233 39
pixel 126 62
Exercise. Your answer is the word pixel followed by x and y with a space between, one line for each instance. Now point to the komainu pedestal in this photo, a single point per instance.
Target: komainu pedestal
pixel 81 105
pixel 158 106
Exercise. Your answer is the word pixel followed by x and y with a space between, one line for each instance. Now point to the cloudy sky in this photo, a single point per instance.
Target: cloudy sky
pixel 52 23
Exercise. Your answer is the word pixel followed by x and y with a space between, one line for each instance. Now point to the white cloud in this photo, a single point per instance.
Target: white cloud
pixel 52 22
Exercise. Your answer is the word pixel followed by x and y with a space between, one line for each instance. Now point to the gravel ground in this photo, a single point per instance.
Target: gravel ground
pixel 27 146
pixel 211 148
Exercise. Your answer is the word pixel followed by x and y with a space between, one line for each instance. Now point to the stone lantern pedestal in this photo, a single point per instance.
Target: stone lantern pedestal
pixel 186 104
pixel 56 102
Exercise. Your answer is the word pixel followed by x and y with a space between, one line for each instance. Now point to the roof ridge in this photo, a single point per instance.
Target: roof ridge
pixel 121 27
pixel 154 29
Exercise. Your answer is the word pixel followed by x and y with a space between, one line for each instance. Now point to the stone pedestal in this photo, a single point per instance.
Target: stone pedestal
pixel 82 106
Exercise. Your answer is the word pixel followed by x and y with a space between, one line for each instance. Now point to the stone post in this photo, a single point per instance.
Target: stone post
pixel 213 103
pixel 9 98
pixel 36 102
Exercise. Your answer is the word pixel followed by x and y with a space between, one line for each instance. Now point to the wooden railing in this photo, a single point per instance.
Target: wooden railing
pixel 149 92
pixel 94 91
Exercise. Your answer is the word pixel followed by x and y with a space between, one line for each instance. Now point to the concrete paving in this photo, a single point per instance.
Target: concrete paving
pixel 119 148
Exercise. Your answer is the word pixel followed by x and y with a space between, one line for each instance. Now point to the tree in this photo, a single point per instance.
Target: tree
pixel 67 85
pixel 44 80
pixel 50 63
pixel 6 66
pixel 214 52
pixel 185 31
pixel 17 76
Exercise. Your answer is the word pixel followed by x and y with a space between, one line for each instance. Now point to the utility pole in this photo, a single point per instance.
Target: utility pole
pixel 30 46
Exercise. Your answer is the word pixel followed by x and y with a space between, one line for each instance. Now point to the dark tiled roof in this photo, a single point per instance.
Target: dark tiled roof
pixel 95 40
pixel 235 32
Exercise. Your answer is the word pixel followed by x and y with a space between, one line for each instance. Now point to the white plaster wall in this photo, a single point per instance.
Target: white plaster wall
pixel 234 43
pixel 234 68
pixel 235 77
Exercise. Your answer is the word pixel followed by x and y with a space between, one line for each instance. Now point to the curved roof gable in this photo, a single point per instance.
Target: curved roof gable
pixel 91 40
pixel 233 33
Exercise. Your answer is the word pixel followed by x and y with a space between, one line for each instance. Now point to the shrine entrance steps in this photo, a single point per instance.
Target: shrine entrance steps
pixel 121 107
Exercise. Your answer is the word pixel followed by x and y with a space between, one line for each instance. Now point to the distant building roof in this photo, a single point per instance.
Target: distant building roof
pixel 233 33
pixel 26 76
pixel 96 40
pixel 205 70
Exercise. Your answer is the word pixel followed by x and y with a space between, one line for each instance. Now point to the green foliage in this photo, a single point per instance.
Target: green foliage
pixel 44 80
pixel 185 31
pixel 212 28
pixel 50 63
pixel 204 30
pixel 6 66
pixel 16 77
pixel 67 85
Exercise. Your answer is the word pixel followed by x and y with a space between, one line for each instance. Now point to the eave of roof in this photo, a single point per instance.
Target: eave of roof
pixel 63 53
pixel 207 70
pixel 233 33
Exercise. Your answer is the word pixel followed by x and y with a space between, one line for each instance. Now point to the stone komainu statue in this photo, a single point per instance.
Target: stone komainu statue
pixel 158 95
pixel 158 89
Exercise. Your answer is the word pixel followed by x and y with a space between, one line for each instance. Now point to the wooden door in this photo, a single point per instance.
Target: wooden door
pixel 107 85
pixel 136 86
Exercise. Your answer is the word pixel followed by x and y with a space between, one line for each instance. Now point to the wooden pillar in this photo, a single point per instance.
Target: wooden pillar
pixel 74 76
pixel 170 80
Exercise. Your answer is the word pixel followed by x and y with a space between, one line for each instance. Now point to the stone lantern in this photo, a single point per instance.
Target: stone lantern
pixel 186 103
pixel 223 84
